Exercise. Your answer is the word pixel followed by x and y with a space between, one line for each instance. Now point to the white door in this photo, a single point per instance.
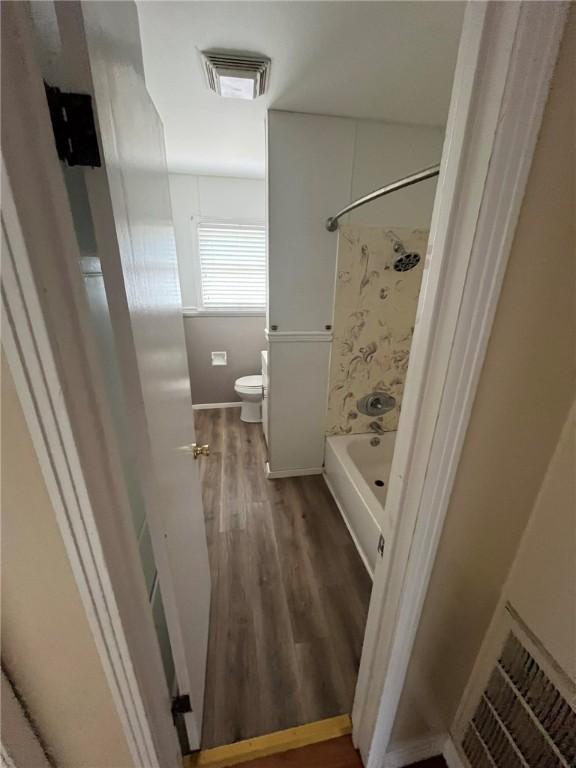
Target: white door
pixel 132 216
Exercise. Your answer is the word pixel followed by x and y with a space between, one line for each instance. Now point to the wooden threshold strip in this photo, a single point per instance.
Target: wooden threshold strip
pixel 271 743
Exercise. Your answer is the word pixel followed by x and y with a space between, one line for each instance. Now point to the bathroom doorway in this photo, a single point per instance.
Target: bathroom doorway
pixel 290 327
pixel 290 564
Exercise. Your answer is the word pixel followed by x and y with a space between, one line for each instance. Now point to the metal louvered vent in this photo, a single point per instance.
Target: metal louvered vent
pixel 236 75
pixel 522 720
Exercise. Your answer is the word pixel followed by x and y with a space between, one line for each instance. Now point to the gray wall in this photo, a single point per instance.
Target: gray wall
pixel 243 339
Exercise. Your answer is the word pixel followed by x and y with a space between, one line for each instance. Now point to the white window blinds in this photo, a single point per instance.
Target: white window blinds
pixel 232 265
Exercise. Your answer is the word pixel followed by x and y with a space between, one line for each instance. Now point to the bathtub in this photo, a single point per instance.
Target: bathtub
pixel 357 474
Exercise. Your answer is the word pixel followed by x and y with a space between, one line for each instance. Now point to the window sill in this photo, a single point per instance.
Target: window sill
pixel 196 312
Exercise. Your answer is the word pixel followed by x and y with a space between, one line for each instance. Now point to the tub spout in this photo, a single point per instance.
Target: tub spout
pixel 375 426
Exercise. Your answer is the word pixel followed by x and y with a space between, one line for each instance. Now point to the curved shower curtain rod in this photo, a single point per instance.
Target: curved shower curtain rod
pixel 407 181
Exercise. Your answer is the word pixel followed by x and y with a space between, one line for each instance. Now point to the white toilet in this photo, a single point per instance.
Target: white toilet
pixel 249 390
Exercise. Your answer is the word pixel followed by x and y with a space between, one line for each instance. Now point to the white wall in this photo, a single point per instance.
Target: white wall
pixel 384 153
pixel 316 166
pixel 212 197
pixel 242 336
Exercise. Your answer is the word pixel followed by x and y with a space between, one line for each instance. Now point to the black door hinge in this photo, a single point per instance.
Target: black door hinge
pixel 74 128
pixel 381 546
pixel 181 704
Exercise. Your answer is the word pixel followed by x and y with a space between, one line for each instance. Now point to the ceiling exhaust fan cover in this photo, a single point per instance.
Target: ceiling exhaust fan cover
pixel 236 75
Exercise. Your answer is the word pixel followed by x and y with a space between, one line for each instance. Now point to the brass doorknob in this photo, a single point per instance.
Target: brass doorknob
pixel 196 450
pixel 200 450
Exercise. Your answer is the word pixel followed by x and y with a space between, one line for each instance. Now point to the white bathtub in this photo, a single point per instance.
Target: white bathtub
pixel 357 474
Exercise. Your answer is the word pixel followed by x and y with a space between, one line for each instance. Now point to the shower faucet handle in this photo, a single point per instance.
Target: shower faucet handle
pixel 376 404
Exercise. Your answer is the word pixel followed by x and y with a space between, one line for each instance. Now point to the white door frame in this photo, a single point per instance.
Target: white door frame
pixel 505 62
pixel 502 78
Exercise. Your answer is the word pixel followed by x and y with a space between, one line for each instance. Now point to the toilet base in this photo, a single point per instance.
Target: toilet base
pixel 251 412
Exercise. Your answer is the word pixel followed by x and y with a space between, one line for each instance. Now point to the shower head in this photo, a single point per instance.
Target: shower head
pixel 405 260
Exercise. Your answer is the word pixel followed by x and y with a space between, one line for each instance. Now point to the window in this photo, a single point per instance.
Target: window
pixel 232 265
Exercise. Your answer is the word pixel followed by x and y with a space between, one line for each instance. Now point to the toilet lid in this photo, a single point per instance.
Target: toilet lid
pixel 250 382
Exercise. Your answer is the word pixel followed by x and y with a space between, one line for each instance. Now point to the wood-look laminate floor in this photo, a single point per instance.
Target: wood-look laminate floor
pixel 289 591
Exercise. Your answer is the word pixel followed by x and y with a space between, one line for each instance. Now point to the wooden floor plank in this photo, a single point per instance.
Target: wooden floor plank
pixel 325 691
pixel 279 689
pixel 233 508
pixel 289 591
pixel 299 572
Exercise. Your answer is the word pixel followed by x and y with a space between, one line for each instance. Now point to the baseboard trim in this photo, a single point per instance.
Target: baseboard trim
pixel 271 743
pixel 276 474
pixel 451 754
pixel 213 406
pixel 413 751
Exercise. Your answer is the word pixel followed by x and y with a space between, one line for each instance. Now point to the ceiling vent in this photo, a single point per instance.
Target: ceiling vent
pixel 236 75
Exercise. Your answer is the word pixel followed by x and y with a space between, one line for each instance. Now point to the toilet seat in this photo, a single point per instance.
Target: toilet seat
pixel 248 384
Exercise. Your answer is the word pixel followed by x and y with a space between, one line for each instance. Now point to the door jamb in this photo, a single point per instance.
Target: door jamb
pixel 505 63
